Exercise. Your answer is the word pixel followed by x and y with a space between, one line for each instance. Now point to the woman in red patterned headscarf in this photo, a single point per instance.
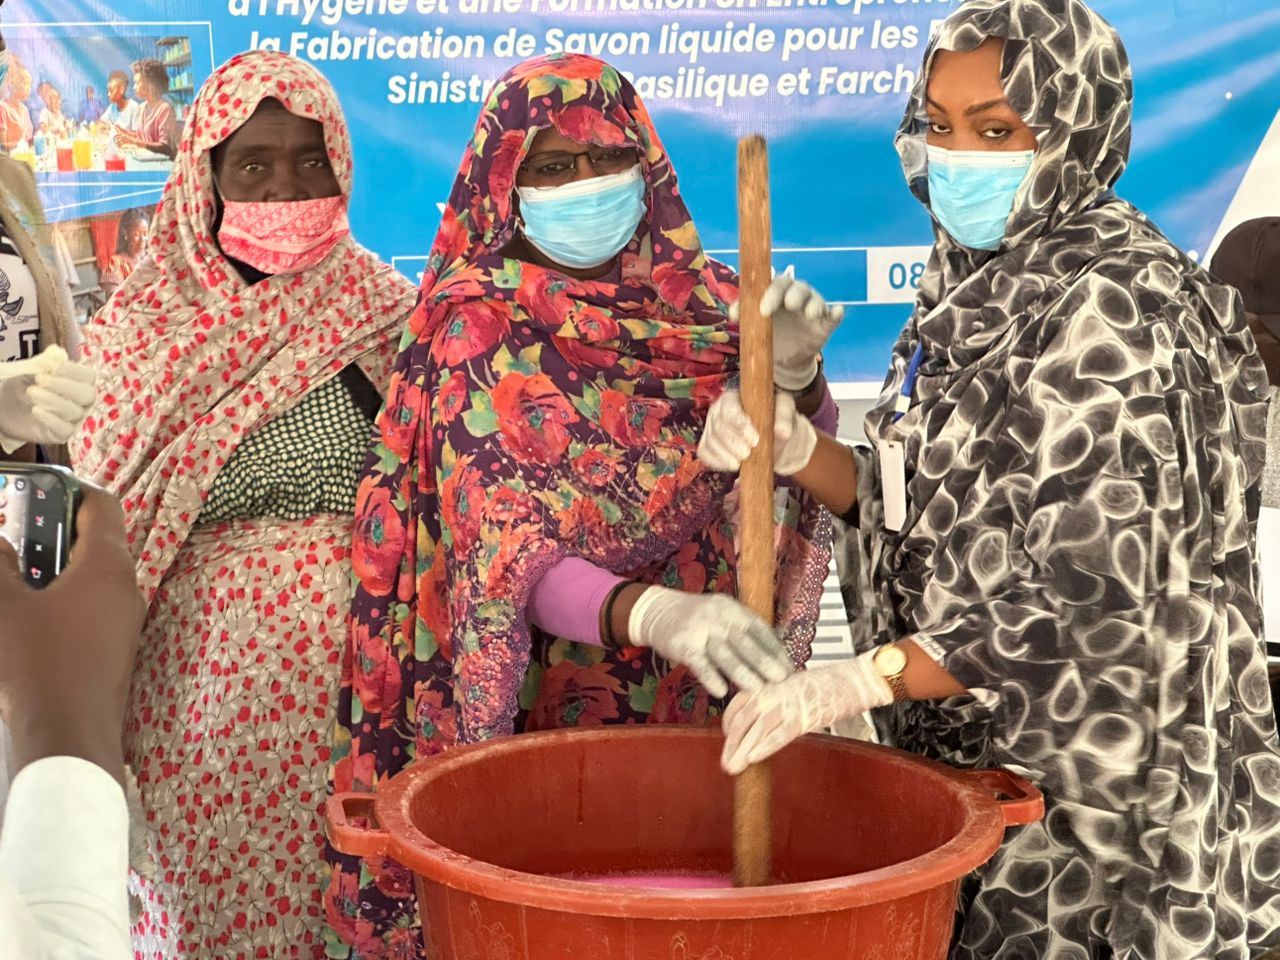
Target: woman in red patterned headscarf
pixel 536 543
pixel 241 366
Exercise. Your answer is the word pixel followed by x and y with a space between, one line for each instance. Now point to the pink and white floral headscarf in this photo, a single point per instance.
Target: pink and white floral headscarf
pixel 192 357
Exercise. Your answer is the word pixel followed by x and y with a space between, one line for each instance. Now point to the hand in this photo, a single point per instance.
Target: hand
pixel 48 403
pixel 759 723
pixel 729 437
pixel 802 325
pixel 716 637
pixel 66 651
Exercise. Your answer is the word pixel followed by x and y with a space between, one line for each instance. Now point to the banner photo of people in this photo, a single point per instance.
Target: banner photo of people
pixel 825 82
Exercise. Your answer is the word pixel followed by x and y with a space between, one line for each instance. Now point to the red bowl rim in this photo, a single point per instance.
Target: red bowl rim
pixel 979 837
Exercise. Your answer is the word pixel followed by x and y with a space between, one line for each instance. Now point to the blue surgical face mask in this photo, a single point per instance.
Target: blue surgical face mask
pixel 585 223
pixel 4 65
pixel 971 192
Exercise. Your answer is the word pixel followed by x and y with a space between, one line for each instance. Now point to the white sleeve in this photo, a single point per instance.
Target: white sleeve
pixel 21 935
pixel 64 864
pixel 7 762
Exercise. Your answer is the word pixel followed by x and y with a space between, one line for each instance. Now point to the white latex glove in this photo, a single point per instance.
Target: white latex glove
pixel 761 722
pixel 729 436
pixel 802 325
pixel 713 635
pixel 44 399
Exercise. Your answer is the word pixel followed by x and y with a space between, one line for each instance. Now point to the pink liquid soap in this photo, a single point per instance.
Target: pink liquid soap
pixel 656 881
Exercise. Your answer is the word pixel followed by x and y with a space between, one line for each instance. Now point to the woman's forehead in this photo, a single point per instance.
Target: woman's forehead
pixel 550 139
pixel 271 123
pixel 967 76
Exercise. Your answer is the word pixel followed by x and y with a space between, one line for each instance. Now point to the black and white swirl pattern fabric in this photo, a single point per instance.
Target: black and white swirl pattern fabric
pixel 1084 452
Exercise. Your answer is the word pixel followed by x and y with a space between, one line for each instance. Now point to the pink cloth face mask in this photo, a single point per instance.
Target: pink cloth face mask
pixel 282 236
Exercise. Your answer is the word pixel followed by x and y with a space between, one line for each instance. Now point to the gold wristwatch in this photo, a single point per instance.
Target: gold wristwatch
pixel 891 663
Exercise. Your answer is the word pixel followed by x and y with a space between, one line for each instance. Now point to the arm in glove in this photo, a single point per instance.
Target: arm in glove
pixel 822 466
pixel 802 325
pixel 43 400
pixel 761 722
pixel 716 637
pixel 728 437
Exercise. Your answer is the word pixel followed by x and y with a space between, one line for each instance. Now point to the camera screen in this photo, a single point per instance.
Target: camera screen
pixel 33 516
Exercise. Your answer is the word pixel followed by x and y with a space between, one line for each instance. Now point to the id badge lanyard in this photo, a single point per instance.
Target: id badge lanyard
pixel 893 462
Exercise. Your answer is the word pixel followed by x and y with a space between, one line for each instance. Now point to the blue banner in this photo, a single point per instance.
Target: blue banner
pixel 825 80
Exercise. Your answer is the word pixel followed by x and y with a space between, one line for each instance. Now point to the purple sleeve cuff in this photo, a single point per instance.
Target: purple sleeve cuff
pixel 827 417
pixel 566 602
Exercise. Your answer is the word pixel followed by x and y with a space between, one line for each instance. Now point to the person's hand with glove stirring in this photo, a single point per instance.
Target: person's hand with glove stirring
pixel 714 635
pixel 760 722
pixel 802 324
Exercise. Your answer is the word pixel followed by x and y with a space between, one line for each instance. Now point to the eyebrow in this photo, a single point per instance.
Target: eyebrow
pixel 974 108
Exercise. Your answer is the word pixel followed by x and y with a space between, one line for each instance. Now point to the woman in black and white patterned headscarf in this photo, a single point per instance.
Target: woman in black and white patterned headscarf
pixel 1059 528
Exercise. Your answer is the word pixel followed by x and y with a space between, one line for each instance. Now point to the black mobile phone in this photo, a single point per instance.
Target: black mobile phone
pixel 38 507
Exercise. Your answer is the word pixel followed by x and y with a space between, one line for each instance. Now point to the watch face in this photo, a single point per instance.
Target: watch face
pixel 890 660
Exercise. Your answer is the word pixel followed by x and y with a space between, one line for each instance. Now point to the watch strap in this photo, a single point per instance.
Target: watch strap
pixel 896 681
pixel 898 684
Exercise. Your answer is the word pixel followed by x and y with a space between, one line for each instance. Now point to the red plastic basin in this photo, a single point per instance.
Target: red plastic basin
pixel 869 846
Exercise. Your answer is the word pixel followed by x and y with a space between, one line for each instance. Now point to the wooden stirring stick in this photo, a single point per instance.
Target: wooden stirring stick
pixel 752 790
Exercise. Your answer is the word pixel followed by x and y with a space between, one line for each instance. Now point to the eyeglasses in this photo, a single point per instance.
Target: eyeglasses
pixel 561 166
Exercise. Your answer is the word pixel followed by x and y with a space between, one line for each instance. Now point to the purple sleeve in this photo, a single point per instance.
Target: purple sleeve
pixel 566 602
pixel 827 417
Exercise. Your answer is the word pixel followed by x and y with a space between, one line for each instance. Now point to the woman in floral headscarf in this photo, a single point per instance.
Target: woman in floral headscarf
pixel 536 543
pixel 242 362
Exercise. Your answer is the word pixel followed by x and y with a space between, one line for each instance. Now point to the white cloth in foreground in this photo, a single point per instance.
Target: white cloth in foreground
pixel 63 864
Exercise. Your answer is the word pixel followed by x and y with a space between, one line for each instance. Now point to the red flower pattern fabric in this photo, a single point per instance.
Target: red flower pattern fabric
pixel 553 417
pixel 192 357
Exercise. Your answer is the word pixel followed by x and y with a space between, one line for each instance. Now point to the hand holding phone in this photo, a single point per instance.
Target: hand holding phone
pixel 66 651
pixel 37 517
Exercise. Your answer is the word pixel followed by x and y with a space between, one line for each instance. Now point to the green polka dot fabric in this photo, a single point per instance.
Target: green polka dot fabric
pixel 305 462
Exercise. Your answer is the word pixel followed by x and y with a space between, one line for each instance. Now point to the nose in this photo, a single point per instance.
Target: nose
pixel 583 170
pixel 969 141
pixel 286 185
